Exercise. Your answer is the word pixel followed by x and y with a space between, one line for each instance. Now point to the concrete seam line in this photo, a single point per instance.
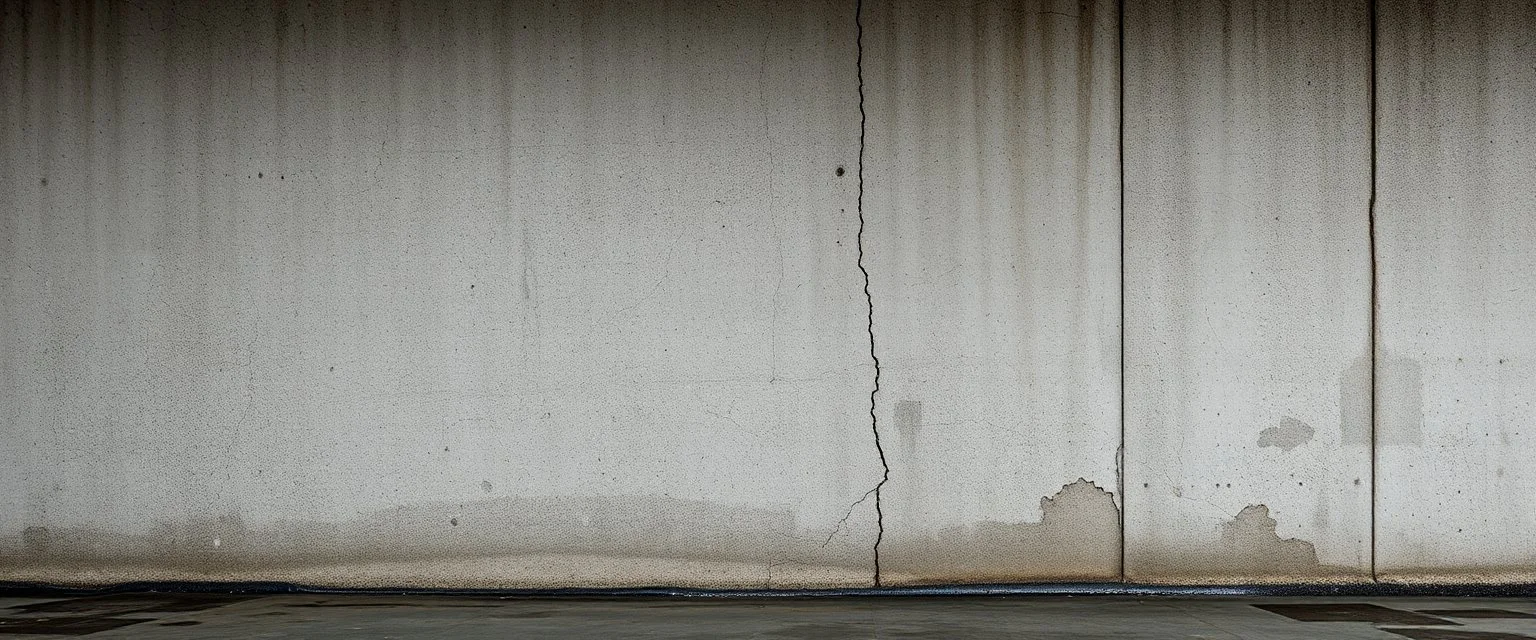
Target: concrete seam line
pixel 1375 303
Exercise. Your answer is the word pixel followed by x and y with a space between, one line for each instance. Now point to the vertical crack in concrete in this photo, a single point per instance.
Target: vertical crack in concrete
pixel 874 420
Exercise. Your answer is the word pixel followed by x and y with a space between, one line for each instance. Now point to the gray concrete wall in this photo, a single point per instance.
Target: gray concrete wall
pixel 434 294
pixel 765 294
pixel 992 202
pixel 1247 291
pixel 1457 356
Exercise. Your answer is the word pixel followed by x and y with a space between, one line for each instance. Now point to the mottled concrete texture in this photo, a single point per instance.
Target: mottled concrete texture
pixel 1456 220
pixel 992 201
pixel 766 294
pixel 417 292
pixel 1247 288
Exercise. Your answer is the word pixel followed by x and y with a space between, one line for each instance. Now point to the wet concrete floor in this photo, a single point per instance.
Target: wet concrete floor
pixel 1084 617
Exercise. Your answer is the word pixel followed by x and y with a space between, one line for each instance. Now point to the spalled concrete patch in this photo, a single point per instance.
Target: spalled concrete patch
pixel 1077 538
pixel 1248 549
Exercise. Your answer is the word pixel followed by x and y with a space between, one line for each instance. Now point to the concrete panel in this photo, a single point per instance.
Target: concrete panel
pixel 992 204
pixel 1456 219
pixel 453 294
pixel 1247 287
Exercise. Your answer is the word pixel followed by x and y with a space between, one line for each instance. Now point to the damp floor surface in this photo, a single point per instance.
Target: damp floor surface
pixel 376 616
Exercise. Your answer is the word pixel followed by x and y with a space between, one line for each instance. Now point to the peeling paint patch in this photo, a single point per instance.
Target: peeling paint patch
pixel 1287 435
pixel 1077 538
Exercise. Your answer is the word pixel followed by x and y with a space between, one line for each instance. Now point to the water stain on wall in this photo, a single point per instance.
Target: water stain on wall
pixel 1077 538
pixel 1248 550
pixel 510 541
pixel 1287 435
pixel 1399 393
pixel 909 421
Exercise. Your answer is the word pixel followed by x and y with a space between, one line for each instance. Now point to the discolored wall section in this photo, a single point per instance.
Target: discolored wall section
pixel 1247 289
pixel 993 224
pixel 591 293
pixel 455 294
pixel 1457 377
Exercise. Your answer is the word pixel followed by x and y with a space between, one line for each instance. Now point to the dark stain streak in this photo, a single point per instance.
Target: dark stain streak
pixel 102 613
pixel 1451 634
pixel 1479 613
pixel 67 626
pixel 135 603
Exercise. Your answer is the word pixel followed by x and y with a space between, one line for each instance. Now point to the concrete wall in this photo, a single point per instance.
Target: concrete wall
pixel 1456 366
pixel 765 294
pixel 994 276
pixel 1247 291
pixel 506 293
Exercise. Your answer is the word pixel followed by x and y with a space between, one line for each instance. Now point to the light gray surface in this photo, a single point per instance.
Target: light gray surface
pixel 1457 222
pixel 992 201
pixel 496 293
pixel 998 617
pixel 1247 288
pixel 548 294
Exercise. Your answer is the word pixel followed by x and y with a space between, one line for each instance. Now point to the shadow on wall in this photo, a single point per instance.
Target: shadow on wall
pixel 1077 538
pixel 1399 393
pixel 739 543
